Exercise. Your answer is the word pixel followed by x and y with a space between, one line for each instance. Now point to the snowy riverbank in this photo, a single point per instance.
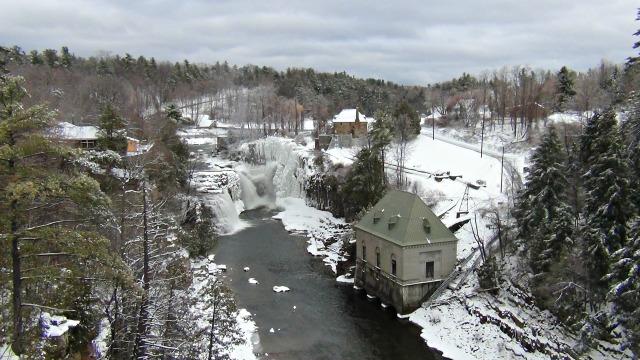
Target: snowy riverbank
pixel 324 232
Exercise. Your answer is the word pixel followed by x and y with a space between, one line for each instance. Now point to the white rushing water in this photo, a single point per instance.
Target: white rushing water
pixel 289 164
pixel 229 192
pixel 256 186
pixel 226 211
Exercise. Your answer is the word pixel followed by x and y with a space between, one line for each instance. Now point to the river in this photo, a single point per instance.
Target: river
pixel 319 318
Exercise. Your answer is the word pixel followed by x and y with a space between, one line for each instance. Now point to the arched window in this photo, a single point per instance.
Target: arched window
pixel 377 256
pixel 393 265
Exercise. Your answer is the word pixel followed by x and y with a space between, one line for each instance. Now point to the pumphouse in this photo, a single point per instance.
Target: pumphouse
pixel 403 251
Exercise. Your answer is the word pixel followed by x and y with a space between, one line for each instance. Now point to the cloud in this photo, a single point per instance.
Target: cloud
pixel 408 41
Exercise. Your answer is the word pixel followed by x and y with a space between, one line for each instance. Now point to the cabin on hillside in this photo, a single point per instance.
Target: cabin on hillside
pixel 86 137
pixel 403 251
pixel 77 136
pixel 351 122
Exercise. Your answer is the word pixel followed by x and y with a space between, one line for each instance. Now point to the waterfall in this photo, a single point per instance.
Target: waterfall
pixel 246 187
pixel 256 186
pixel 226 212
pixel 288 166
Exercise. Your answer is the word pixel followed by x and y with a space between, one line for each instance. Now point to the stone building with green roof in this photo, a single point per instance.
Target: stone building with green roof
pixel 403 251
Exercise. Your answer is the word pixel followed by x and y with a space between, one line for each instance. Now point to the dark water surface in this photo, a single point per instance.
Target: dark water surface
pixel 330 321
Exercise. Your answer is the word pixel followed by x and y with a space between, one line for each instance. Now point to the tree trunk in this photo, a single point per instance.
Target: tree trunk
pixel 143 318
pixel 17 345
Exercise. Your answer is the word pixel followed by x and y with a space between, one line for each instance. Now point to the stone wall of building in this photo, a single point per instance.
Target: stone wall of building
pixel 404 297
pixel 356 129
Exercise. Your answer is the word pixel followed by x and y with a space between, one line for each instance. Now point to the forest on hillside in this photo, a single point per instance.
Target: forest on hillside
pixel 519 96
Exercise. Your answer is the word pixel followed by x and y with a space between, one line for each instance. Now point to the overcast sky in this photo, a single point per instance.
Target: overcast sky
pixel 411 42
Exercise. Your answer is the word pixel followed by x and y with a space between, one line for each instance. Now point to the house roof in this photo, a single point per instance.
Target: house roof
pixel 349 115
pixel 65 130
pixel 403 218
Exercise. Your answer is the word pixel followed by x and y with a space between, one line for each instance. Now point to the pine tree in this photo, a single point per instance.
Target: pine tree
pixel 199 236
pixel 173 113
pixel 607 183
pixel 364 184
pixel 65 58
pixel 50 57
pixel 381 136
pixel 632 132
pixel 112 130
pixel 35 58
pixel 607 207
pixel 625 292
pixel 634 60
pixel 544 217
pixel 48 212
pixel 565 89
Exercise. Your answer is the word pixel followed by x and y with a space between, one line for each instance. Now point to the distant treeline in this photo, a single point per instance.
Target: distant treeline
pixel 78 86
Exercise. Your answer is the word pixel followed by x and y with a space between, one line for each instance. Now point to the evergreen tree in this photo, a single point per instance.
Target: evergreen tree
pixel 173 113
pixel 103 68
pixel 625 292
pixel 607 207
pixel 199 236
pixel 632 132
pixel 364 184
pixel 634 60
pixel 406 119
pixel 50 57
pixel 48 213
pixel 112 130
pixel 544 217
pixel 381 136
pixel 35 58
pixel 565 89
pixel 574 178
pixel 127 62
pixel 65 58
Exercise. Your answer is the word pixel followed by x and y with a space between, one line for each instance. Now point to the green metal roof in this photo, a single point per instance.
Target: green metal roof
pixel 404 219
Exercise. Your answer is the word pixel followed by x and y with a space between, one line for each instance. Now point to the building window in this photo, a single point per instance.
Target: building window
pixel 429 270
pixel 378 257
pixel 393 265
pixel 364 252
pixel 87 144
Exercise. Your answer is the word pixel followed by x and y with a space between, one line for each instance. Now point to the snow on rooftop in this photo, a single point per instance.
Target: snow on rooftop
pixel 349 115
pixel 66 130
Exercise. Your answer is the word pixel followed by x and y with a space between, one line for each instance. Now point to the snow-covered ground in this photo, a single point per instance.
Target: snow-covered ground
pixel 469 324
pixel 324 232
pixel 428 167
pixel 465 323
pixel 204 272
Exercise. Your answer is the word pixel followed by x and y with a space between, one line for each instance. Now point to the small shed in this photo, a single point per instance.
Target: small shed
pixel 403 251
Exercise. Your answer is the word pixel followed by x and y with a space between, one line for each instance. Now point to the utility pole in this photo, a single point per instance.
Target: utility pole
pixel 482 137
pixel 433 126
pixel 501 168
